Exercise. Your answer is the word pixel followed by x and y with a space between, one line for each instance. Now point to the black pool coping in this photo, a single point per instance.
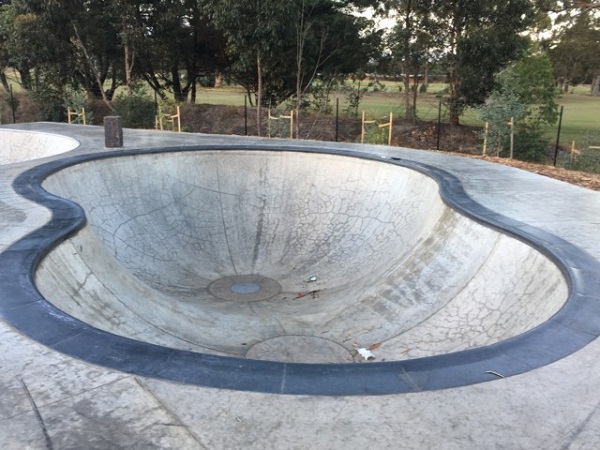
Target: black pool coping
pixel 576 324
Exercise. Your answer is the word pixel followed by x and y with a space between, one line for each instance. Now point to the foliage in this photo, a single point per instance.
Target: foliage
pixel 137 110
pixel 589 159
pixel 532 80
pixel 414 44
pixel 320 95
pixel 530 143
pixel 355 89
pixel 575 53
pixel 49 101
pixel 376 135
pixel 176 45
pixel 525 95
pixel 65 42
pixel 502 106
pixel 77 100
pixel 11 101
pixel 284 50
pixel 330 41
pixel 480 38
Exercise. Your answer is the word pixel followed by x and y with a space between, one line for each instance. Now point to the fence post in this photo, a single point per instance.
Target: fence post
pixel 560 116
pixel 13 105
pixel 245 115
pixel 439 126
pixel 512 137
pixel 362 132
pixel 337 119
pixel 113 131
pixel 485 138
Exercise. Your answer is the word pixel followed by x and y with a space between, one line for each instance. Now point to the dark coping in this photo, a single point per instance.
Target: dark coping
pixel 576 324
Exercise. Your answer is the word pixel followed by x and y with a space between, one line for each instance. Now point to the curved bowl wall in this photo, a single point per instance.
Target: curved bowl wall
pixel 219 265
pixel 17 145
pixel 391 264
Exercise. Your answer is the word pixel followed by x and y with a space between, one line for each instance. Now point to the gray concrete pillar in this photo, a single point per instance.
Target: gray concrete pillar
pixel 113 131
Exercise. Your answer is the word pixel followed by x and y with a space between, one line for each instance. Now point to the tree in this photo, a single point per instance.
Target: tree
pixel 5 57
pixel 329 43
pixel 63 43
pixel 278 49
pixel 254 31
pixel 413 43
pixel 480 38
pixel 575 54
pixel 177 46
pixel 525 94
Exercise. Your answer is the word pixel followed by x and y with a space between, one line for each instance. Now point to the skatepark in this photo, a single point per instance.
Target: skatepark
pixel 202 291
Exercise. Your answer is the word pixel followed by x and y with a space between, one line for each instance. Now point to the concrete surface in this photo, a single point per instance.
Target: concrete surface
pixel 389 256
pixel 18 145
pixel 50 400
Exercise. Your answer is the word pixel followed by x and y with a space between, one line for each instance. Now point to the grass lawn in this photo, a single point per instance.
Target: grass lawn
pixel 581 116
pixel 581 119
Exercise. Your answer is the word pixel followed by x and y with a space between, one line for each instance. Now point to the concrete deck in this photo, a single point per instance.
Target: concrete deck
pixel 51 400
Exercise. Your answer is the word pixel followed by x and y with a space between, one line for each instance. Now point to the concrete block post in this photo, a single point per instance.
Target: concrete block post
pixel 113 131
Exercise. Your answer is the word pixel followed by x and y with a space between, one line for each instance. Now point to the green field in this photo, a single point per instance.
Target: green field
pixel 581 117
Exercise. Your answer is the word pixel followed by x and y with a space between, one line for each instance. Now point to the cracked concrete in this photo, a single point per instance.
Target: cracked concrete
pixel 389 254
pixel 87 406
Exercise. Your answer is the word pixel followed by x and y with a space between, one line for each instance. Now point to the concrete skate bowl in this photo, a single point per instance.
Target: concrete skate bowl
pixel 265 270
pixel 18 145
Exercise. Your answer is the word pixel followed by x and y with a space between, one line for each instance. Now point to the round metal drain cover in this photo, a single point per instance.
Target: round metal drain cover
pixel 244 288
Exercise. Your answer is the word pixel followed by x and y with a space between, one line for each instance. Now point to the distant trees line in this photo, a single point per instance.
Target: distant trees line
pixel 280 50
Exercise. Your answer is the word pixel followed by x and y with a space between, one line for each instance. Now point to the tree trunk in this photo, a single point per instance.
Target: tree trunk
pixel 300 40
pixel 177 91
pixel 409 112
pixel 595 88
pixel 415 92
pixel 4 81
pixel 128 70
pixel 259 96
pixel 193 93
pixel 25 76
pixel 194 69
pixel 454 106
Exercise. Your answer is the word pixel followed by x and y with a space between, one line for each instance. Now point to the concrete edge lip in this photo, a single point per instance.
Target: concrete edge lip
pixel 574 326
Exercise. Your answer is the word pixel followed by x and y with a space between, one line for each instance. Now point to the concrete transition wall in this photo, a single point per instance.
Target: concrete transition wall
pixel 16 145
pixel 393 264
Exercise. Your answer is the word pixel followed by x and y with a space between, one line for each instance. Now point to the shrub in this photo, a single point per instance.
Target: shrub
pixel 49 102
pixel 137 111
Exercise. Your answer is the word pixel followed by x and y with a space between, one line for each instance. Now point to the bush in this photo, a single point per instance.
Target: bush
pixel 530 144
pixel 49 102
pixel 588 161
pixel 76 101
pixel 137 111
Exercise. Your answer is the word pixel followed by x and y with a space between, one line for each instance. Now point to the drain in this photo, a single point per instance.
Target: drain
pixel 244 288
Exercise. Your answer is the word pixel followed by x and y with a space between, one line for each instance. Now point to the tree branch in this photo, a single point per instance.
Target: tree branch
pixel 79 44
